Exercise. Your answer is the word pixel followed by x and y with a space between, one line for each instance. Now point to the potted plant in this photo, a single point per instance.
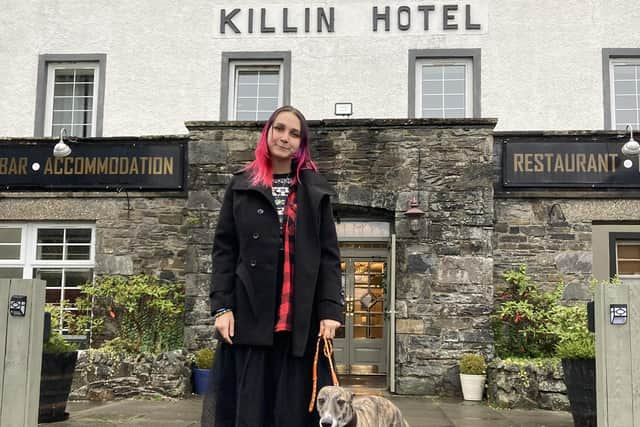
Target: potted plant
pixel 202 369
pixel 473 369
pixel 577 351
pixel 58 365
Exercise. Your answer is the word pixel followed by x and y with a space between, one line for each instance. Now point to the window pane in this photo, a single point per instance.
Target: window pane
pixel 454 86
pixel 432 113
pixel 10 235
pixel 84 103
pixel 242 115
pixel 629 251
pixel 246 104
pixel 247 77
pixel 454 101
pixel 78 252
pixel 81 117
pixel 49 252
pixel 431 87
pixel 63 89
pixel 454 72
pixel 263 115
pixel 62 117
pixel 626 116
pixel 454 113
pixel 10 273
pixel 247 90
pixel 52 277
pixel 83 131
pixel 64 75
pixel 71 295
pixel 269 77
pixel 54 296
pixel 84 75
pixel 431 102
pixel 624 72
pixel 430 72
pixel 625 87
pixel 269 91
pixel 77 278
pixel 629 267
pixel 626 102
pixel 83 90
pixel 50 235
pixel 9 251
pixel 78 235
pixel 267 104
pixel 63 103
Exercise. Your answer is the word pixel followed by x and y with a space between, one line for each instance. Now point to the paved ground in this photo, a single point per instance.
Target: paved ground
pixel 420 412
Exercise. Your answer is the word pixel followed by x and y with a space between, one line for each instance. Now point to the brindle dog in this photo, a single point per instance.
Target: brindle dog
pixel 339 407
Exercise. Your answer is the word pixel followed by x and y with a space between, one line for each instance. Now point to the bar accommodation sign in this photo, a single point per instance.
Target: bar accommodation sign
pixel 531 162
pixel 95 165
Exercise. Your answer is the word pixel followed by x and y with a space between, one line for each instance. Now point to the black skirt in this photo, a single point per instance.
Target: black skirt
pixel 257 386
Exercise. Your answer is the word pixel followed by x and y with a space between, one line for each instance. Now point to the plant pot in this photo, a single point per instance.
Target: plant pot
pixel 201 380
pixel 55 385
pixel 580 379
pixel 472 386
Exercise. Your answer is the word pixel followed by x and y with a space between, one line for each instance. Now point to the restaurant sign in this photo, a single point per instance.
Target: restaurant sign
pixel 95 165
pixel 566 163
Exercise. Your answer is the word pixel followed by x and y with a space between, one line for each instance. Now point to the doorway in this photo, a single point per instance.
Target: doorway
pixel 361 345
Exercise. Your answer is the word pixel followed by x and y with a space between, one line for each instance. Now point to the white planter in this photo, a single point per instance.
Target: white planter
pixel 472 386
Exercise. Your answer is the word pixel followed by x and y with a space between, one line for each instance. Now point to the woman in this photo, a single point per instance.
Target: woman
pixel 276 282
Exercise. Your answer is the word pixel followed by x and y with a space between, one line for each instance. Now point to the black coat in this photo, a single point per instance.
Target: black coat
pixel 245 256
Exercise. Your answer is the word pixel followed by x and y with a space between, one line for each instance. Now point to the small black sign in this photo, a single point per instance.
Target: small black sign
pixel 565 163
pixel 95 165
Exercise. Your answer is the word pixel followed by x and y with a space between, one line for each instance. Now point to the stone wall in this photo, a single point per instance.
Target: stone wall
pixel 444 273
pixel 105 376
pixel 527 385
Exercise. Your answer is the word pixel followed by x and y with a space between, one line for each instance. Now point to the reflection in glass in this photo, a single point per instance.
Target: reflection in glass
pixel 10 273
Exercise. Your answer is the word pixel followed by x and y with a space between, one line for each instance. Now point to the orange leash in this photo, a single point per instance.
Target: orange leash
pixel 328 352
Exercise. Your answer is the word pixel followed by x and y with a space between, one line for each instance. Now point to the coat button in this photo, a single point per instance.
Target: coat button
pixel 253 263
pixel 256 236
pixel 260 211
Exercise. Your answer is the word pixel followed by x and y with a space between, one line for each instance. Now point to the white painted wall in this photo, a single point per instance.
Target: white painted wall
pixel 541 60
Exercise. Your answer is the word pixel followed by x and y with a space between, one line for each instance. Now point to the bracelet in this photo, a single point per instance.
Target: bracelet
pixel 221 312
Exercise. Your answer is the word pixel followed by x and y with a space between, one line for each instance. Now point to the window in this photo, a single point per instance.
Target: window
pixel 444 83
pixel 628 258
pixel 621 87
pixel 70 95
pixel 61 255
pixel 254 84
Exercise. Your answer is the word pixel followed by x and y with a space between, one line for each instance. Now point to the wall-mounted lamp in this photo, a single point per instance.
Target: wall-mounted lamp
pixel 61 149
pixel 414 214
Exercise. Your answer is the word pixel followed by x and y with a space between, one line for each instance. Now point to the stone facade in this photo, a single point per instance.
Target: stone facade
pixel 444 291
pixel 105 376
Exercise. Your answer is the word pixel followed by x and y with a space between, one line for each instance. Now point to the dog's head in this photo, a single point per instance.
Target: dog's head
pixel 334 406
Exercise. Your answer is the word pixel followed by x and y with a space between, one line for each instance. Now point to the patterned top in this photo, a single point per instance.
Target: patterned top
pixel 280 190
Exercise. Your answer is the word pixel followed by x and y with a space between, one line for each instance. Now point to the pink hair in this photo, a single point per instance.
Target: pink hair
pixel 260 168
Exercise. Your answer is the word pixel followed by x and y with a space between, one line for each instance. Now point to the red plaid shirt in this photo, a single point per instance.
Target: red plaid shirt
pixel 285 310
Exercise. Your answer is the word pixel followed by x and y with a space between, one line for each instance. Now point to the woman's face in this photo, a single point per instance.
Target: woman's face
pixel 284 136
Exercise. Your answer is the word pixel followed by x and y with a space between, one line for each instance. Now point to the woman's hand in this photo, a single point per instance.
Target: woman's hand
pixel 225 324
pixel 328 328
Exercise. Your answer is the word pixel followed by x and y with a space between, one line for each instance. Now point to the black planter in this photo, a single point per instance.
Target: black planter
pixel 580 378
pixel 55 385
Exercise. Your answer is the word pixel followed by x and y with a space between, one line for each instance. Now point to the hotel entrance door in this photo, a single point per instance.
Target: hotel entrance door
pixel 361 345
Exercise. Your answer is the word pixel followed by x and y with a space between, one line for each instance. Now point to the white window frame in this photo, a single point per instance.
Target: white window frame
pixel 51 68
pixel 612 93
pixel 263 65
pixel 469 95
pixel 29 247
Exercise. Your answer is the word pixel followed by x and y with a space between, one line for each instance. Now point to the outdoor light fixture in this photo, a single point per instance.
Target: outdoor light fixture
pixel 343 109
pixel 618 313
pixel 61 149
pixel 414 214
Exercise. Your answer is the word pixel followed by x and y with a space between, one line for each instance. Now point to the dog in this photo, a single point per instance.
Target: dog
pixel 339 407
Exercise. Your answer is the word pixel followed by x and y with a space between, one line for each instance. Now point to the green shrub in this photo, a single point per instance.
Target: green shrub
pixel 204 358
pixel 473 364
pixel 521 322
pixel 145 314
pixel 56 342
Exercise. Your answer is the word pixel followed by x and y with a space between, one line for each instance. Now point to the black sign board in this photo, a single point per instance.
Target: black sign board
pixel 95 165
pixel 564 163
